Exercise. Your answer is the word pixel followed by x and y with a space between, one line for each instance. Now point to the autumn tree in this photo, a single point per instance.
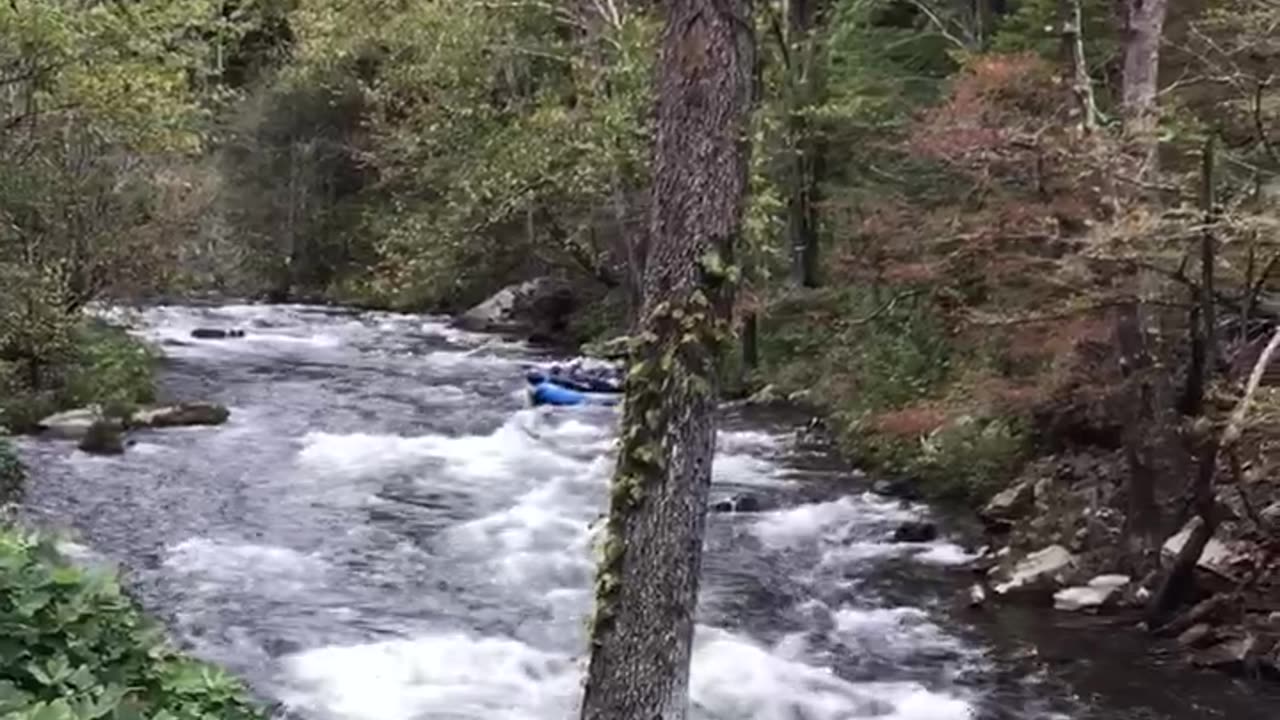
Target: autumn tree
pixel 647 584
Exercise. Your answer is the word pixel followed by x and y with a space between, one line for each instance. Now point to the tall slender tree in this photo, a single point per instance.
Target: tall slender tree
pixel 647 584
pixel 1143 32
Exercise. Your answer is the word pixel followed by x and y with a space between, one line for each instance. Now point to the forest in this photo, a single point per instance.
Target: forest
pixel 1014 249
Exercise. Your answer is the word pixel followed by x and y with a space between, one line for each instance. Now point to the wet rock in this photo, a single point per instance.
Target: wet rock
pixel 1271 514
pixel 196 413
pixel 1209 610
pixel 103 437
pixel 1198 636
pixel 767 395
pixel 216 333
pixel 915 532
pixel 901 488
pixel 537 307
pixel 72 424
pixel 617 348
pixel 743 503
pixel 977 596
pixel 1009 505
pixel 1239 656
pixel 1101 592
pixel 1043 570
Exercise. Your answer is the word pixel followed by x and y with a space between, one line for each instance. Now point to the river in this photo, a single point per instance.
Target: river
pixel 386 531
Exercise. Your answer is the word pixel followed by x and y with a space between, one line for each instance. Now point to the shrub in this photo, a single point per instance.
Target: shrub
pixel 110 368
pixel 73 647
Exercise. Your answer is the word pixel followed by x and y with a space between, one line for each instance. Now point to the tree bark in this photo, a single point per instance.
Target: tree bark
pixel 647 584
pixel 1143 31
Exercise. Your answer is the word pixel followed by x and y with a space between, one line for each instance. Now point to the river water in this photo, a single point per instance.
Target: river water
pixel 386 531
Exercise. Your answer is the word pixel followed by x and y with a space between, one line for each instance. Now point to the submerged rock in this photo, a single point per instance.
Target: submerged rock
pixel 216 333
pixel 196 413
pixel 103 437
pixel 1040 571
pixel 1100 592
pixel 977 596
pixel 1010 505
pixel 915 532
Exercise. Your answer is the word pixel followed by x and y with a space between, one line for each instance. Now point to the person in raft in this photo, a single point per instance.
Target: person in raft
pixel 545 392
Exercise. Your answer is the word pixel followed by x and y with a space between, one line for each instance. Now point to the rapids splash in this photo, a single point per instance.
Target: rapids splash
pixel 385 531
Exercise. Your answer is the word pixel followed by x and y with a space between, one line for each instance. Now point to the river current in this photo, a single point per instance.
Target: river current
pixel 385 530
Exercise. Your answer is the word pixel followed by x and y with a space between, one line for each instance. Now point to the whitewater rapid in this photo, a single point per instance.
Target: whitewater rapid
pixel 386 531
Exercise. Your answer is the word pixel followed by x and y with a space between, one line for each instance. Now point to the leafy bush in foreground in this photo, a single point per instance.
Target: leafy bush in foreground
pixel 73 647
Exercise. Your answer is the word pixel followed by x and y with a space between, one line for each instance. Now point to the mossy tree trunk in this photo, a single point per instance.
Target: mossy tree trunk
pixel 647 584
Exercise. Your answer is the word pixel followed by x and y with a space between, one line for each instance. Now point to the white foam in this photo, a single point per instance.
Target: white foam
pixel 217 564
pixel 830 520
pixel 946 554
pixel 451 675
pixel 736 678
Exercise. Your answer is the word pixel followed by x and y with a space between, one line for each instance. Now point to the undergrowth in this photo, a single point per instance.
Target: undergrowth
pixel 105 366
pixel 73 647
pixel 896 387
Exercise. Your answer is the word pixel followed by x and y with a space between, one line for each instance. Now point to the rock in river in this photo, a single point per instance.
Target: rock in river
pixel 540 307
pixel 216 333
pixel 72 424
pixel 103 437
pixel 196 413
pixel 915 532
pixel 742 503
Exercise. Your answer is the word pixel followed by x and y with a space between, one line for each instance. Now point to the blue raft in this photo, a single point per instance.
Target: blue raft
pixel 547 391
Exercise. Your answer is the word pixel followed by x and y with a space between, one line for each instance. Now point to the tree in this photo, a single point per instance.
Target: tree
pixel 647 583
pixel 1143 32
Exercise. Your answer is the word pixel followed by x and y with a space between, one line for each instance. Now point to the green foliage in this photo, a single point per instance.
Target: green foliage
pixel 967 460
pixel 1036 25
pixel 95 364
pixel 861 349
pixel 111 369
pixel 73 647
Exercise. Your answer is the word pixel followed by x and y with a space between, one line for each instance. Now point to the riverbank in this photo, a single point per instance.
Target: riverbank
pixel 1043 454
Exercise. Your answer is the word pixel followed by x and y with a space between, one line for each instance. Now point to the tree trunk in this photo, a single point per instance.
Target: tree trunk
pixel 802 91
pixel 1141 430
pixel 1081 84
pixel 1144 28
pixel 647 584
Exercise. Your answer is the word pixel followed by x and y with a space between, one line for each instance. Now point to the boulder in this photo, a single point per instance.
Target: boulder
pixel 1009 505
pixel 1216 557
pixel 915 532
pixel 72 424
pixel 103 437
pixel 1040 571
pixel 1100 592
pixel 1198 636
pixel 540 307
pixel 216 333
pixel 180 415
